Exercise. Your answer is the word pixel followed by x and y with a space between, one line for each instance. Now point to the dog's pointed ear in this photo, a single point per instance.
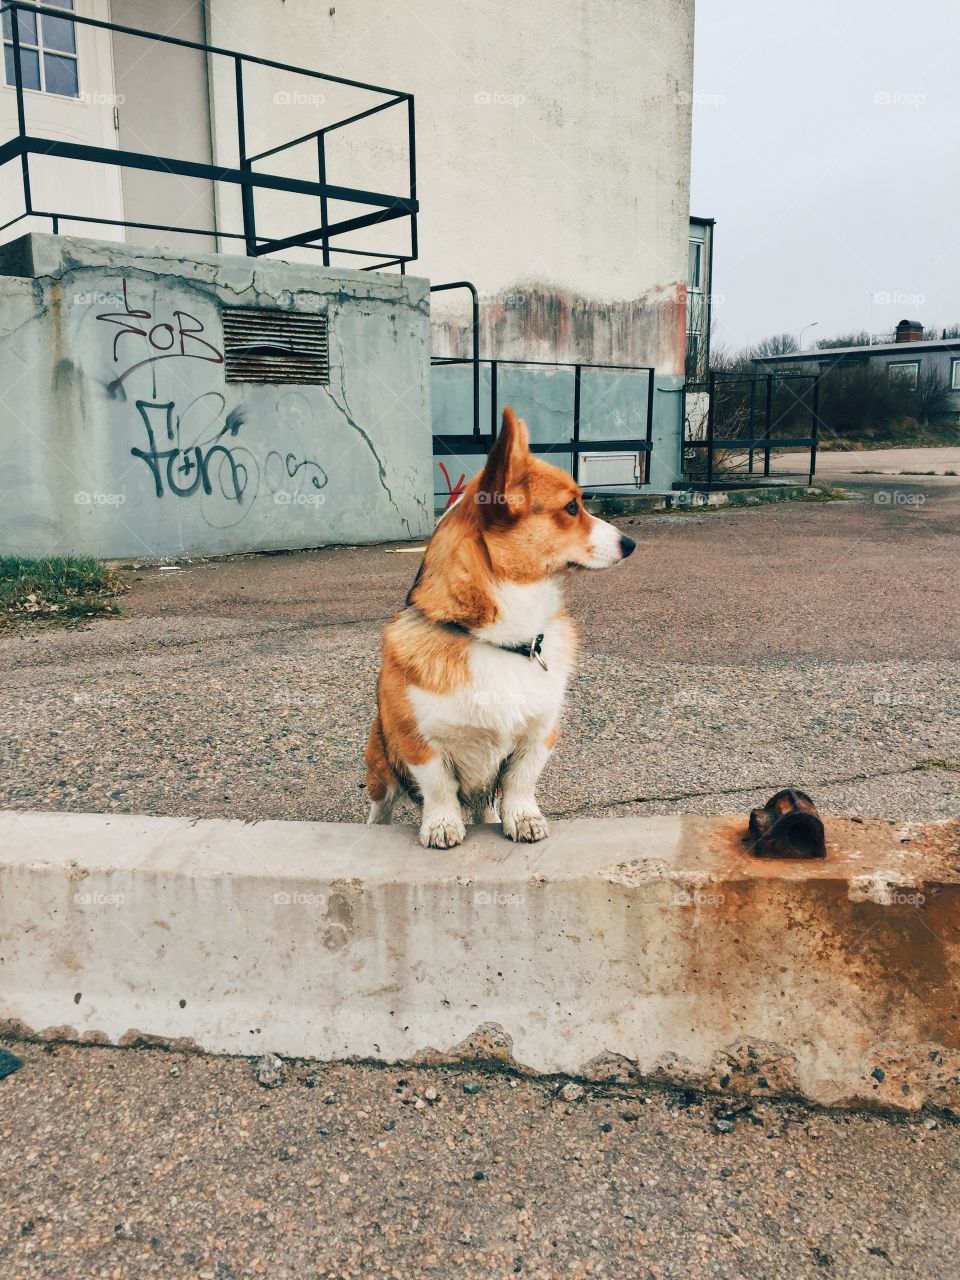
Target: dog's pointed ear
pixel 503 482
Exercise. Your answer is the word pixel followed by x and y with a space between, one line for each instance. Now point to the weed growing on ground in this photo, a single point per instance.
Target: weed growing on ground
pixel 59 588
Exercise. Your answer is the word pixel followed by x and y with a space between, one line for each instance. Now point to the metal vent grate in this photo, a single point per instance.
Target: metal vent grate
pixel 275 346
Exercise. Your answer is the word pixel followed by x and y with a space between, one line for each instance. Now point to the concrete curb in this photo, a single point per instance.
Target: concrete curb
pixel 613 505
pixel 620 949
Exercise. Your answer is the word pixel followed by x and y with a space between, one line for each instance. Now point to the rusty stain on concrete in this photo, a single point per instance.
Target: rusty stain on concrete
pixel 650 949
pixel 538 321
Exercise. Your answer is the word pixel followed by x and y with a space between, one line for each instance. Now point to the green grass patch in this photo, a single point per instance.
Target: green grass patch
pixel 739 499
pixel 61 588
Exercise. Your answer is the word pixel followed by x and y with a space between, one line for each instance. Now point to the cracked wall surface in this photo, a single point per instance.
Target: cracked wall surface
pixel 119 435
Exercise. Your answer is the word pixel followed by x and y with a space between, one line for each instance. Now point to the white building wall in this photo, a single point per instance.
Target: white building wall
pixel 553 146
pixel 67 187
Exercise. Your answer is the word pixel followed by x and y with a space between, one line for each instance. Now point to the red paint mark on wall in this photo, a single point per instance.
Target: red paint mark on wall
pixel 454 490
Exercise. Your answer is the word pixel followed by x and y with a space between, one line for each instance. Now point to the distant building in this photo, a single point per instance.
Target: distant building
pixel 699 294
pixel 907 359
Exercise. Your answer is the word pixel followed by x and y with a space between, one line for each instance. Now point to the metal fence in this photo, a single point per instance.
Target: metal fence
pixel 381 207
pixel 742 415
pixel 479 442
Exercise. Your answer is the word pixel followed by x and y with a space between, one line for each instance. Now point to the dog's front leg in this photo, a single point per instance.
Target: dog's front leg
pixel 441 825
pixel 521 816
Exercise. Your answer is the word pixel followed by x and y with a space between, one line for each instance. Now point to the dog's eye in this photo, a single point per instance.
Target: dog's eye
pixel 573 507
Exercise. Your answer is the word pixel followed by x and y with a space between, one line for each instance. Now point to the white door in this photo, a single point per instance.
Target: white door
pixel 69 95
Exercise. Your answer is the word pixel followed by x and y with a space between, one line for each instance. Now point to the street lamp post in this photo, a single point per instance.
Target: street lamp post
pixel 812 325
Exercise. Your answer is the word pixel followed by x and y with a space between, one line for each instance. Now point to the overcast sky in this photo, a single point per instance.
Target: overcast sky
pixel 826 143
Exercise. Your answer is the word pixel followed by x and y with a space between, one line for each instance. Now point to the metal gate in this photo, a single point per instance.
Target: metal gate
pixel 732 417
pixel 567 396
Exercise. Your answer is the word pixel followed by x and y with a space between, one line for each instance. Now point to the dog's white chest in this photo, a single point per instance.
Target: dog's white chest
pixel 510 698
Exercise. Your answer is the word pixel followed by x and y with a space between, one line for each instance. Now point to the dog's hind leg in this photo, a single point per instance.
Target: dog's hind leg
pixel 381 811
pixel 383 789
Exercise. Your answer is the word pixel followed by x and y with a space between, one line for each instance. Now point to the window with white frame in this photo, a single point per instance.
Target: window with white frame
pixel 48 51
pixel 906 373
pixel 695 264
pixel 955 374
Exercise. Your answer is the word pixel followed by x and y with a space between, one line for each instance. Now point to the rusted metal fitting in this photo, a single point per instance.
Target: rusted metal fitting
pixel 788 826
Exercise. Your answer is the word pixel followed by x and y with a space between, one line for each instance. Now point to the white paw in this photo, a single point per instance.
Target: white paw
pixel 525 827
pixel 442 831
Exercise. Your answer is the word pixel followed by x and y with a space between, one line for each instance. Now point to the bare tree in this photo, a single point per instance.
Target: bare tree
pixel 934 399
pixel 778 344
pixel 859 339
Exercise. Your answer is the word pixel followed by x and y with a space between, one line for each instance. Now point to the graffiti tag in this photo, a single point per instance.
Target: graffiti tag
pixel 229 468
pixel 180 338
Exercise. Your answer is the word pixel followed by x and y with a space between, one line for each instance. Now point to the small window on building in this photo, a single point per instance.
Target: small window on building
pixel 48 51
pixel 695 265
pixel 904 372
pixel 955 374
pixel 693 357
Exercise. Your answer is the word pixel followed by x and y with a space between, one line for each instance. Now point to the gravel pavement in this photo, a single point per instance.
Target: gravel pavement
pixel 128 1164
pixel 806 644
pixel 736 652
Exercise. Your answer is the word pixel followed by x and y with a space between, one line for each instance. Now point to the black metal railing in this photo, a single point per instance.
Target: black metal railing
pixel 746 415
pixel 446 445
pixel 452 444
pixel 382 207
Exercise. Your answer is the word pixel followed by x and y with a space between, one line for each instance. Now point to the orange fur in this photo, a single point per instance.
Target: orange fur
pixel 511 526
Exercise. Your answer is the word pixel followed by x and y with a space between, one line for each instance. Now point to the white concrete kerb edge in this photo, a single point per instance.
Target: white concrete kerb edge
pixel 630 947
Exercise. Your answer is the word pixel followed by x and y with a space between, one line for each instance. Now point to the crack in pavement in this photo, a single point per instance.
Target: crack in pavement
pixel 919 766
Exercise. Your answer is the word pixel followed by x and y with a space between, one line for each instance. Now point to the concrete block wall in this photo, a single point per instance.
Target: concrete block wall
pixel 618 950
pixel 119 436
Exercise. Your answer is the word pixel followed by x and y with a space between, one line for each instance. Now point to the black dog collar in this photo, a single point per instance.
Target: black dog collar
pixel 529 649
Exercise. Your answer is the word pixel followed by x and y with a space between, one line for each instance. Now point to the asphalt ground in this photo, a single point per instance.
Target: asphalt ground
pixel 842 463
pixel 738 651
pixel 134 1163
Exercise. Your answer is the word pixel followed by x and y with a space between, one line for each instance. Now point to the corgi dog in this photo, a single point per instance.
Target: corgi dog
pixel 475 667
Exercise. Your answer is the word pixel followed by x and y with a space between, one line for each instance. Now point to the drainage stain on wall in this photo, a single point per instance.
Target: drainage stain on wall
pixel 539 322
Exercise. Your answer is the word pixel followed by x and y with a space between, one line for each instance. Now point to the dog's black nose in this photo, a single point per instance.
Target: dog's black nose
pixel 627 546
